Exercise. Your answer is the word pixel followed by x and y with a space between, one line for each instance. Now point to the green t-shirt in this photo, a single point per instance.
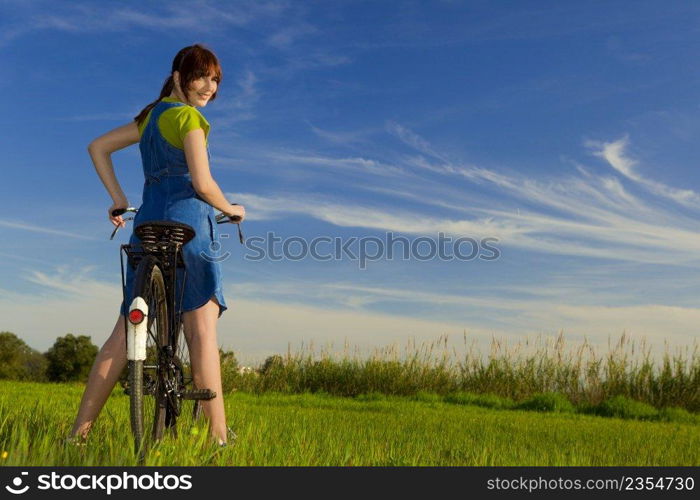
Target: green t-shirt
pixel 174 123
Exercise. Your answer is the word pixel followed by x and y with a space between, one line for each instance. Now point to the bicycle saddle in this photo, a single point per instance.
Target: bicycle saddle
pixel 164 231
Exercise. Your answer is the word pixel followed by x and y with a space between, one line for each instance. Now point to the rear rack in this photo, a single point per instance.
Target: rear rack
pixel 168 253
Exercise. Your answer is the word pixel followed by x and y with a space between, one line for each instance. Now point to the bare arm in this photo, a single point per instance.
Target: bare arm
pixel 202 180
pixel 101 150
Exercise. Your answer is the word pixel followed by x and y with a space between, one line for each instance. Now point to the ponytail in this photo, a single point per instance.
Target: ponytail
pixel 164 92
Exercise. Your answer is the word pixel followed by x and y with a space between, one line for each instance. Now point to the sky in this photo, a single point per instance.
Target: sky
pixel 565 131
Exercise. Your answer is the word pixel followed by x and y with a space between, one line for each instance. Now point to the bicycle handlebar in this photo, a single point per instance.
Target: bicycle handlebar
pixel 221 218
pixel 120 211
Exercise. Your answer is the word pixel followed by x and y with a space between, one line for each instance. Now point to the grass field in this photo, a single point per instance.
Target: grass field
pixel 320 430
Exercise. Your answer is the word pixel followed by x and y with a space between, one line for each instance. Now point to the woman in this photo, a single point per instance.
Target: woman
pixel 172 137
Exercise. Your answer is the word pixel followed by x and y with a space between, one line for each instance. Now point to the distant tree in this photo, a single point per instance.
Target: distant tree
pixel 18 361
pixel 35 366
pixel 271 363
pixel 228 359
pixel 13 350
pixel 70 358
pixel 229 370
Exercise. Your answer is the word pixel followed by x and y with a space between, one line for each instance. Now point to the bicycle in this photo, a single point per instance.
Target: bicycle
pixel 159 372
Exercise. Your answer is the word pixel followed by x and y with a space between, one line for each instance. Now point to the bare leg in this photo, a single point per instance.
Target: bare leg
pixel 200 331
pixel 105 371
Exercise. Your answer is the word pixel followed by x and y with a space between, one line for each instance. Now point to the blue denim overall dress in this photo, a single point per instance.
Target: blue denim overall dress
pixel 168 194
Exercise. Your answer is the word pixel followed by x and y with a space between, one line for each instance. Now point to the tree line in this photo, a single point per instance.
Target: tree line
pixel 69 359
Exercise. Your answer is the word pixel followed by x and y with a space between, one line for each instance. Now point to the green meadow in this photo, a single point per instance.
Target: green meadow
pixel 319 429
pixel 537 403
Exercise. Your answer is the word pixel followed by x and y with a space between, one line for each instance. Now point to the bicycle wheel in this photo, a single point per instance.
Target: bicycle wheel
pixel 146 387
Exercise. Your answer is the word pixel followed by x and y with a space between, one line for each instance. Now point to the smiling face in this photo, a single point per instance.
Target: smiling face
pixel 200 89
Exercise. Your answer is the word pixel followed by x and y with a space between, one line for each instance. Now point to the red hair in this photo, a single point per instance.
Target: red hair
pixel 192 62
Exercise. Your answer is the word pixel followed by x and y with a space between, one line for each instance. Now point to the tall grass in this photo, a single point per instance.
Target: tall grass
pixel 517 371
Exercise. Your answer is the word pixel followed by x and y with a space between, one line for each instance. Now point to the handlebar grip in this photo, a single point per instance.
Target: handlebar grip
pixel 118 211
pixel 234 218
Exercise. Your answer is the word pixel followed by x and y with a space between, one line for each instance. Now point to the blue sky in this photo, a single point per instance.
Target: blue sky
pixel 567 130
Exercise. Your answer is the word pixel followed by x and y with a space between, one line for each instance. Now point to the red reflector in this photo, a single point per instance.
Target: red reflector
pixel 136 316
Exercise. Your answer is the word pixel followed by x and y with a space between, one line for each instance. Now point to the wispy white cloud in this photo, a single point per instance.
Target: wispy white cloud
pixel 615 237
pixel 195 16
pixel 413 140
pixel 587 215
pixel 299 60
pixel 332 164
pixel 249 93
pixel 350 214
pixel 44 230
pixel 615 154
pixel 600 195
pixel 73 281
pixel 612 152
pixel 240 107
pixel 356 137
pixel 286 36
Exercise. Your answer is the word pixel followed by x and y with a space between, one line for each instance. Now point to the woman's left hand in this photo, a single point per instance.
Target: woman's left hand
pixel 117 221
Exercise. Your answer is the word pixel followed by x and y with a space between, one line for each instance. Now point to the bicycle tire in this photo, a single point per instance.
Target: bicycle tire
pixel 146 388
